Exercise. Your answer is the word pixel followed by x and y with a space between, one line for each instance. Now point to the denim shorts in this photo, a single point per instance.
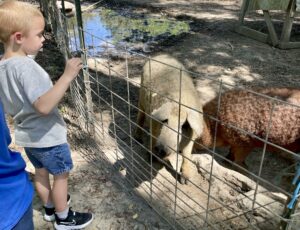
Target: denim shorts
pixel 57 159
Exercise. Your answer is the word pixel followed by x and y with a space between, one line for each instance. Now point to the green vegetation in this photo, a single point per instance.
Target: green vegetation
pixel 126 27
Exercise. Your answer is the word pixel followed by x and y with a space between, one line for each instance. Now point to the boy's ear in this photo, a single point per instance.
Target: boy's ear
pixel 17 36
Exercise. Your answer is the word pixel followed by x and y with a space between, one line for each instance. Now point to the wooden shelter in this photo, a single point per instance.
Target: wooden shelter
pixel 290 7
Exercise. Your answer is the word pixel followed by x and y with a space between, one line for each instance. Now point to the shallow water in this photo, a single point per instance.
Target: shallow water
pixel 105 27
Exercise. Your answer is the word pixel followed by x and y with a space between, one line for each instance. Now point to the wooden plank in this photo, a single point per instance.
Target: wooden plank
pixel 289 45
pixel 272 32
pixel 254 34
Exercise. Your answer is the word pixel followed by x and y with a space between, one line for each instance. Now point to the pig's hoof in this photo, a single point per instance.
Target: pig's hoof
pixel 183 179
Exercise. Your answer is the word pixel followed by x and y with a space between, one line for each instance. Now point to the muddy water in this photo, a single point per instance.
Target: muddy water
pixel 105 27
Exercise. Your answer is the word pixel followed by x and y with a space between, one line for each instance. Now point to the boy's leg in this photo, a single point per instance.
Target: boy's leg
pixel 57 161
pixel 65 218
pixel 42 184
pixel 60 192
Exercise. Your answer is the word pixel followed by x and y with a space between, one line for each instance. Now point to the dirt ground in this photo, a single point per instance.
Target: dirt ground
pixel 214 51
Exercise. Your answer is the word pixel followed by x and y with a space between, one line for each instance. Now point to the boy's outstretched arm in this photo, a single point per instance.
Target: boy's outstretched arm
pixel 47 102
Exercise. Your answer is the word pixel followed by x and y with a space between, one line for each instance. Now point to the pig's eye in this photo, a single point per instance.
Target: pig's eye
pixel 164 121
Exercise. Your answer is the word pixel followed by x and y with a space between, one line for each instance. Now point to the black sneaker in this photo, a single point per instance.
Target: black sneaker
pixel 75 220
pixel 49 212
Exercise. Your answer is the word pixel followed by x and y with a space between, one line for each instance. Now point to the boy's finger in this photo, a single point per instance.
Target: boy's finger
pixel 78 61
pixel 72 60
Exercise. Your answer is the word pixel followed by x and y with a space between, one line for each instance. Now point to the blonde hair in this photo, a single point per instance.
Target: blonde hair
pixel 16 16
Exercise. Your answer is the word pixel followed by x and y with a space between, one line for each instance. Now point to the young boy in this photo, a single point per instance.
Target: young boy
pixel 16 190
pixel 28 96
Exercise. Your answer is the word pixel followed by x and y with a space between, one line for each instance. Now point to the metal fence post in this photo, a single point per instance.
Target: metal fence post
pixel 88 91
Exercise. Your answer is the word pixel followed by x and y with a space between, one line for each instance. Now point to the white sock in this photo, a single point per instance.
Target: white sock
pixel 64 214
pixel 49 205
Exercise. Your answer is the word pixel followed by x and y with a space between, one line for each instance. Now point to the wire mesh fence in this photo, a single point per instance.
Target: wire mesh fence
pixel 153 128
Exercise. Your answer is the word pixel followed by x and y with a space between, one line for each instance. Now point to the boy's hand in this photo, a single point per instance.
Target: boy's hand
pixel 72 68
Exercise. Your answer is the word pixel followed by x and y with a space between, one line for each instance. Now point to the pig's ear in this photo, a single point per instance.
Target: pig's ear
pixel 195 120
pixel 163 112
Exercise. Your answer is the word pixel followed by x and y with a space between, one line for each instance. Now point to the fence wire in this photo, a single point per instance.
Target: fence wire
pixel 215 197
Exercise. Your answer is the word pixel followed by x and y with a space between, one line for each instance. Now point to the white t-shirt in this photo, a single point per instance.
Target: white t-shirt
pixel 22 82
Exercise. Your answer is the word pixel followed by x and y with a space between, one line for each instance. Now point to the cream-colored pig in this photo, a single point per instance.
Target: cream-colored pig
pixel 163 87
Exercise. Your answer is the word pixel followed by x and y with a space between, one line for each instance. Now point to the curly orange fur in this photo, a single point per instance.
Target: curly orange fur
pixel 251 112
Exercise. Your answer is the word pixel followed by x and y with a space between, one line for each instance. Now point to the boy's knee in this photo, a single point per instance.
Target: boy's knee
pixel 41 172
pixel 64 175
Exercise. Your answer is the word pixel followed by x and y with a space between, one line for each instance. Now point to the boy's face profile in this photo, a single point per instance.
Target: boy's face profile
pixel 31 41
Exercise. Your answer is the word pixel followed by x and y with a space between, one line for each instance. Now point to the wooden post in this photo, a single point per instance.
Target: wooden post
pixel 272 32
pixel 287 27
pixel 244 9
pixel 245 30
